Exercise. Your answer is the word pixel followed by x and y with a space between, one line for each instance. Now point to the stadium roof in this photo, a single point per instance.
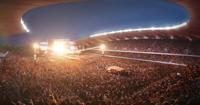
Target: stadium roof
pixel 12 11
pixel 189 32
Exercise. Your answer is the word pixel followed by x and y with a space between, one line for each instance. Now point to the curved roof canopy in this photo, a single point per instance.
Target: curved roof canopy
pixel 189 32
pixel 11 12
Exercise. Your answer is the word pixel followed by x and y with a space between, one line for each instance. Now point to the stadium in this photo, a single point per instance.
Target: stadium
pixel 141 66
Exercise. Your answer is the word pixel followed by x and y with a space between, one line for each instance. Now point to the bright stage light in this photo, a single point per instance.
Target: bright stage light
pixel 35 46
pixel 44 48
pixel 72 47
pixel 58 47
pixel 102 47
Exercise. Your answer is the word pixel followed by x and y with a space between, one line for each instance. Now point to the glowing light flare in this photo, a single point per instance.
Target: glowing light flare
pixel 72 47
pixel 24 26
pixel 58 47
pixel 43 47
pixel 35 45
pixel 142 29
pixel 102 47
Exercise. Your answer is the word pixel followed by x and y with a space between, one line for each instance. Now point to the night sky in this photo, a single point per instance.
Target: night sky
pixel 79 20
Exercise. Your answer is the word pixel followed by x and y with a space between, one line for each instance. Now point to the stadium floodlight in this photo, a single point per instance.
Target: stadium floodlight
pixel 72 47
pixel 102 47
pixel 35 45
pixel 58 47
pixel 44 48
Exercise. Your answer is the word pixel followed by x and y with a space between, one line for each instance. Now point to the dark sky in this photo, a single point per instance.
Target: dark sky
pixel 79 20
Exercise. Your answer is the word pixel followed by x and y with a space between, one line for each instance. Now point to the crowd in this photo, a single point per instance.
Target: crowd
pixel 86 82
pixel 164 46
